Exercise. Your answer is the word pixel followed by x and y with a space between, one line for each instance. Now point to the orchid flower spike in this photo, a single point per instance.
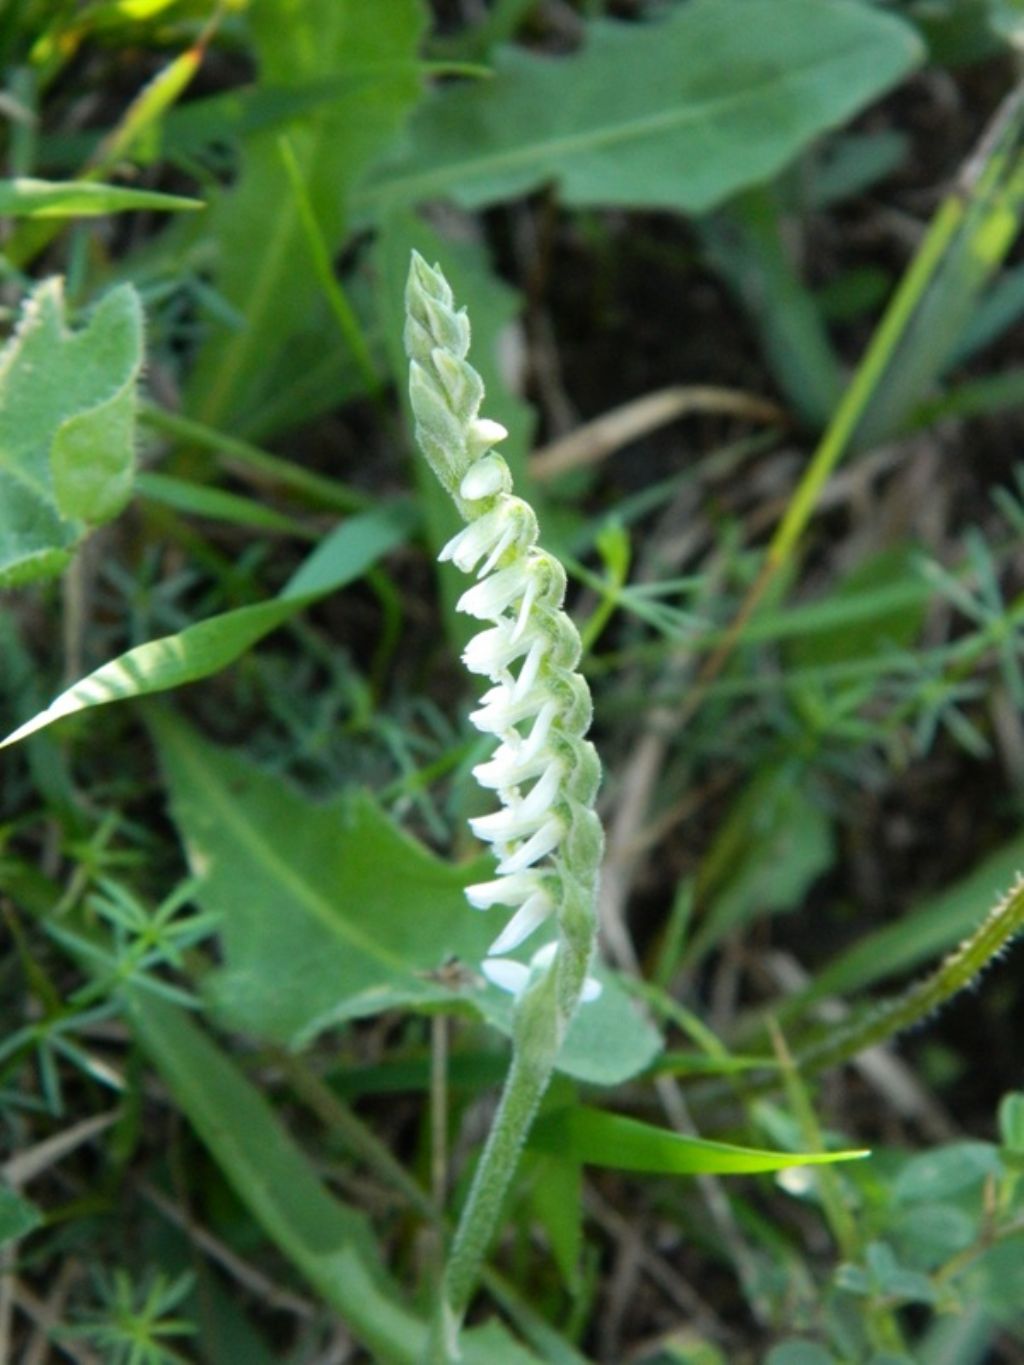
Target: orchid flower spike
pixel 546 836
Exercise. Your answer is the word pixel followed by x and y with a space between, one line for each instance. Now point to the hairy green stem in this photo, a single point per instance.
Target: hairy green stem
pixel 546 837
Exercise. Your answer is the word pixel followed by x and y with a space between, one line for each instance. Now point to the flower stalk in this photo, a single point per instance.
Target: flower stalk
pixel 545 834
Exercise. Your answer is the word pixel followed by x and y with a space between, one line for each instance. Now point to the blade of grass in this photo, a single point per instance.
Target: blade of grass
pixel 344 314
pixel 246 459
pixel 24 197
pixel 838 437
pixel 625 1144
pixel 138 120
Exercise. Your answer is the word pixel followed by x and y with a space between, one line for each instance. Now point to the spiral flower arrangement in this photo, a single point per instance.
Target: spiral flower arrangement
pixel 546 835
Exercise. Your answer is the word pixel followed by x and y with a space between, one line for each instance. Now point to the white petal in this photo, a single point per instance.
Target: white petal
pixel 522 924
pixel 508 538
pixel 505 826
pixel 487 476
pixel 529 597
pixel 544 792
pixel 537 739
pixel 500 711
pixel 507 767
pixel 544 957
pixel 531 665
pixel 482 434
pixel 538 846
pixel 475 540
pixel 491 652
pixel 504 890
pixel 506 974
pixel 487 599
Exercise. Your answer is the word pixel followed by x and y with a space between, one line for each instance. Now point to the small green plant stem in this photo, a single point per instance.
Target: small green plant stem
pixel 957 970
pixel 881 1320
pixel 855 399
pixel 991 1236
pixel 881 1022
pixel 542 1016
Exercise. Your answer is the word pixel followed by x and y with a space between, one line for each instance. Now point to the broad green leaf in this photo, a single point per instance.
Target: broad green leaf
pixel 746 243
pixel 262 264
pixel 797 1352
pixel 327 1240
pixel 598 1138
pixel 17 1216
pixel 776 824
pixel 205 648
pixel 945 1171
pixel 67 421
pixel 889 1277
pixel 330 912
pixel 678 112
pixel 996 1279
pixel 23 197
pixel 929 1234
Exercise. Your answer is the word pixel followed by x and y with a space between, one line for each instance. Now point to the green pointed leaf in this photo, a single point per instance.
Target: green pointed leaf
pixel 207 647
pixel 330 912
pixel 330 1242
pixel 67 418
pixel 23 197
pixel 677 112
pixel 17 1216
pixel 263 267
pixel 601 1139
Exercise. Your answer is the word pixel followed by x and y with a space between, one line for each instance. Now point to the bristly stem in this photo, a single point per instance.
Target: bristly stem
pixel 958 969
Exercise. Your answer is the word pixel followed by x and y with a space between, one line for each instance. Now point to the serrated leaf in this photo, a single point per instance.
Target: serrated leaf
pixel 678 112
pixel 208 646
pixel 67 417
pixel 24 197
pixel 330 912
pixel 598 1138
